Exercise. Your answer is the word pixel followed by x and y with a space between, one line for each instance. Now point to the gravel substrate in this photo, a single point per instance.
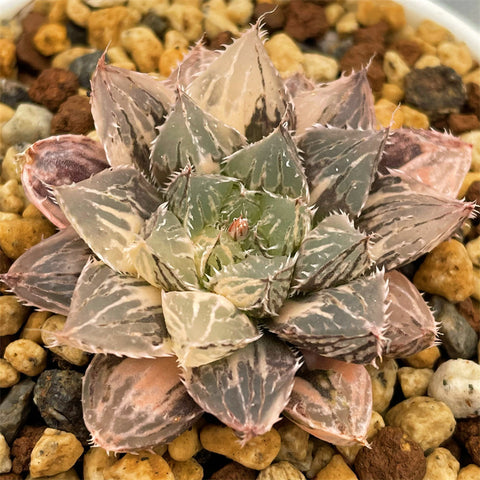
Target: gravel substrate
pixel 426 420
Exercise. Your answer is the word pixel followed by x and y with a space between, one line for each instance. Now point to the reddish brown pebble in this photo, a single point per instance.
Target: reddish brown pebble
pixel 274 18
pixel 10 476
pixel 409 50
pixel 467 431
pixel 473 97
pixel 32 22
pixel 73 116
pixel 27 56
pixel 374 34
pixel 392 456
pixel 53 86
pixel 223 38
pixel 305 20
pixel 22 447
pixel 466 308
pixel 234 471
pixel 462 122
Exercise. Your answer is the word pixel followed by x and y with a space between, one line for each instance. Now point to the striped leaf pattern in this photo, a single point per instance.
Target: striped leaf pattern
pixel 191 136
pixel 411 324
pixel 46 274
pixel 165 256
pixel 257 285
pixel 332 401
pixel 115 313
pixel 205 327
pixel 272 164
pixel 248 389
pixel 251 98
pixel 108 211
pixel 340 165
pixel 408 219
pixel 126 108
pixel 334 252
pixel 134 404
pixel 345 322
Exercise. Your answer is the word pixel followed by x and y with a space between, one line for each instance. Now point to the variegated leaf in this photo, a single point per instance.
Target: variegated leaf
pixel 283 224
pixel 164 256
pixel 345 322
pixel 256 285
pixel 247 390
pixel 411 324
pixel 346 102
pixel 205 327
pixel 437 159
pixel 332 401
pixel 298 83
pixel 126 108
pixel 190 136
pixel 115 313
pixel 408 219
pixel 108 211
pixel 132 404
pixel 249 96
pixel 56 161
pixel 46 274
pixel 334 252
pixel 272 164
pixel 340 165
pixel 197 199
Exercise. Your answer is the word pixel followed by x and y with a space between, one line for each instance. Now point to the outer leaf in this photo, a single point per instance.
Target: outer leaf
pixel 340 165
pixel 114 313
pixel 126 108
pixel 332 401
pixel 411 324
pixel 346 102
pixel 436 159
pixel 256 285
pixel 409 219
pixel 135 404
pixel 57 161
pixel 334 252
pixel 190 136
pixel 108 211
pixel 251 96
pixel 205 327
pixel 165 256
pixel 271 164
pixel 248 389
pixel 344 322
pixel 46 274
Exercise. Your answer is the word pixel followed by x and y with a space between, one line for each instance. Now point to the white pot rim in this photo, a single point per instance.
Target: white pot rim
pixel 418 10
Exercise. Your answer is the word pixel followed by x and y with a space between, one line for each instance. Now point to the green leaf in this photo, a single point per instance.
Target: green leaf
pixel 271 164
pixel 115 313
pixel 205 327
pixel 345 322
pixel 190 136
pixel 256 285
pixel 334 252
pixel 108 211
pixel 164 257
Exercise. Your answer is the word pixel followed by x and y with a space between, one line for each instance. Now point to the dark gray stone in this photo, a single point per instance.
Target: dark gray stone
pixel 13 93
pixel 84 67
pixel 15 408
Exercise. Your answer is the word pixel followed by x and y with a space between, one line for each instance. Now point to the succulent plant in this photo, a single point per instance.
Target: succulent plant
pixel 234 248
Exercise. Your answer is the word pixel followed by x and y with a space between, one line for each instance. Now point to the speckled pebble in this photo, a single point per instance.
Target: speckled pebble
pixel 188 470
pixel 12 315
pixel 95 460
pixel 9 375
pixel 186 445
pixel 54 452
pixel 30 123
pixel 5 460
pixel 441 465
pixel 414 381
pixel 457 384
pixel 294 445
pixel 384 379
pixel 322 454
pixel 424 419
pixel 26 356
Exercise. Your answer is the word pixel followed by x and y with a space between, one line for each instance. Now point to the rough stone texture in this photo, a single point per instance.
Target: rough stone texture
pixel 95 460
pixel 26 356
pixel 384 379
pixel 73 116
pixel 281 471
pixel 295 445
pixel 467 432
pixel 22 447
pixel 15 408
pixel 188 470
pixel 53 86
pixel 234 471
pixel 13 93
pixel 392 455
pixel 144 466
pixel 441 465
pixel 410 50
pixel 414 381
pixel 305 20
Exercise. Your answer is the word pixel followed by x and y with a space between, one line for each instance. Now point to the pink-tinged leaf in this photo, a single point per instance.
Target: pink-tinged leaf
pixel 332 400
pixel 298 83
pixel 57 161
pixel 126 108
pixel 346 102
pixel 45 275
pixel 411 325
pixel 344 322
pixel 437 159
pixel 408 219
pixel 247 390
pixel 115 313
pixel 134 404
